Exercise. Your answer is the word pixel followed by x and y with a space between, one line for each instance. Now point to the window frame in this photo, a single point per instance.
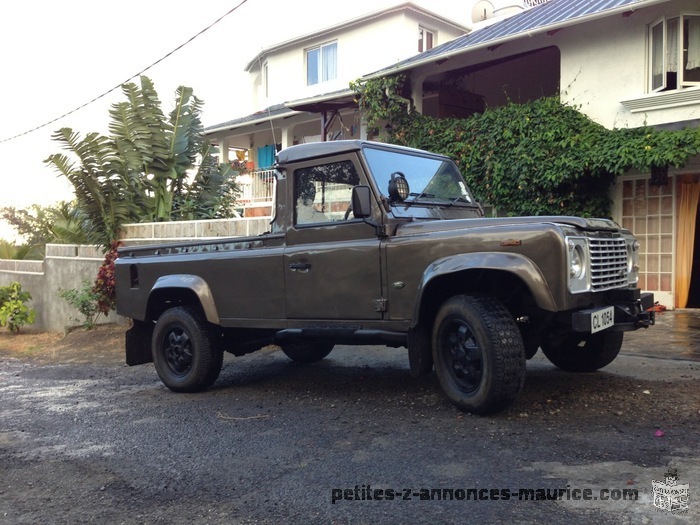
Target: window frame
pixel 681 82
pixel 321 177
pixel 422 40
pixel 660 22
pixel 320 63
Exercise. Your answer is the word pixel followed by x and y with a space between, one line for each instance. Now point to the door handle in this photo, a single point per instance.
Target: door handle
pixel 302 267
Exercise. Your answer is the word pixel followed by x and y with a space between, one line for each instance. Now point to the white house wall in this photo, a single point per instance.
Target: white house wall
pixel 361 49
pixel 599 74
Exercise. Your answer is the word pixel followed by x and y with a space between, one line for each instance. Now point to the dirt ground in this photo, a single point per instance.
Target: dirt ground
pixel 76 346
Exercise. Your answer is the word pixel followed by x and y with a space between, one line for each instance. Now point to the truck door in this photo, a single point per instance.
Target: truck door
pixel 332 261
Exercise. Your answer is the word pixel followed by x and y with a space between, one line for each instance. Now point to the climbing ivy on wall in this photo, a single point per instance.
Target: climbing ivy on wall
pixel 538 158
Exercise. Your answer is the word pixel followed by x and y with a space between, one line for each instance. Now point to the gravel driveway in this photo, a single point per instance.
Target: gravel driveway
pixel 90 440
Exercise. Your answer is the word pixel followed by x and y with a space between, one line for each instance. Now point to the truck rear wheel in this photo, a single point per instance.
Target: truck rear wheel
pixel 306 352
pixel 575 353
pixel 185 352
pixel 478 353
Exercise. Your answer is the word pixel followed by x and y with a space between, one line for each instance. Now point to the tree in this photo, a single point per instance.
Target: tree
pixel 150 168
pixel 39 225
pixel 9 250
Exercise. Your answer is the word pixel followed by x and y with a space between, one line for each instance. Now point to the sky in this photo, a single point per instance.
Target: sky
pixel 56 56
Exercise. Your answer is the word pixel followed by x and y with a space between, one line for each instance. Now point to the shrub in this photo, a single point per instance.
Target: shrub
pixel 14 313
pixel 86 301
pixel 538 158
pixel 104 284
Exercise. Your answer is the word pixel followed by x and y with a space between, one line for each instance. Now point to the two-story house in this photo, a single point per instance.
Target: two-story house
pixel 301 87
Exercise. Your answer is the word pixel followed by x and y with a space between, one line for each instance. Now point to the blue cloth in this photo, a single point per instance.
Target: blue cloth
pixel 266 156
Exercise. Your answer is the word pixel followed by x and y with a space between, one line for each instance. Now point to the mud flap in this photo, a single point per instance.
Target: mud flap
pixel 420 354
pixel 138 343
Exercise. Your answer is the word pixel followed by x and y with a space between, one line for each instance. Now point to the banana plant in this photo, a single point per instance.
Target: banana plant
pixel 150 167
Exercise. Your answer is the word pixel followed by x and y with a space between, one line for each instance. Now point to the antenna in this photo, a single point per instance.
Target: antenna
pixel 483 10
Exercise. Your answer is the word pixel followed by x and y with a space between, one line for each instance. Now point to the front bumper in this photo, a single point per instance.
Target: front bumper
pixel 632 310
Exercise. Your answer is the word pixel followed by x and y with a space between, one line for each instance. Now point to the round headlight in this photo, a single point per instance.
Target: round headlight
pixel 577 266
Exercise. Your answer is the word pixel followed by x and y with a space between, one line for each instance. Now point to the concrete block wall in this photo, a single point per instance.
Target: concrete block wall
pixel 65 266
pixel 155 232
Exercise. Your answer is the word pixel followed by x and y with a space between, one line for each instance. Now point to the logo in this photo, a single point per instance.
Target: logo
pixel 668 495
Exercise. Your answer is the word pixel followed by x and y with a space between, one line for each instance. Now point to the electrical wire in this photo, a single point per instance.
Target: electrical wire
pixel 98 97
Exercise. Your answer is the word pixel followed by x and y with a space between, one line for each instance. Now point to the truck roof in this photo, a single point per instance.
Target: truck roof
pixel 321 149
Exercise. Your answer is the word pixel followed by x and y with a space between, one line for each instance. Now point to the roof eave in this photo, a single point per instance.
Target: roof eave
pixel 511 38
pixel 228 127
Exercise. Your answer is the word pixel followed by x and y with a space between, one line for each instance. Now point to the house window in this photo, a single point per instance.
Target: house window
pixel 426 39
pixel 674 45
pixel 647 211
pixel 321 63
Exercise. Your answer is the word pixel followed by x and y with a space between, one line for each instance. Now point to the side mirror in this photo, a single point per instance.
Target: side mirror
pixel 361 202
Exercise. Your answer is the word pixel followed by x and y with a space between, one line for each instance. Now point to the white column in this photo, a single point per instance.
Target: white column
pixel 417 92
pixel 287 138
pixel 224 145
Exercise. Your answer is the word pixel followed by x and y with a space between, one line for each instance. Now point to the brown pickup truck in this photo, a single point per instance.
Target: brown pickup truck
pixel 377 244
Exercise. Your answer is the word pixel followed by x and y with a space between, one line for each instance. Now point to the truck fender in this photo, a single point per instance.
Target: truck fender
pixel 514 263
pixel 197 285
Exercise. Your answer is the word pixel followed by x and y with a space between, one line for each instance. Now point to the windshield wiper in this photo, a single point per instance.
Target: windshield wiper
pixel 455 200
pixel 417 196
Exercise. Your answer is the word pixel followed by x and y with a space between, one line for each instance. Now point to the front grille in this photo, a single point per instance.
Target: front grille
pixel 608 263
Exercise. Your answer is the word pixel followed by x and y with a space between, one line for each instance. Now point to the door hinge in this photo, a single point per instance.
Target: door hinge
pixel 383 230
pixel 379 305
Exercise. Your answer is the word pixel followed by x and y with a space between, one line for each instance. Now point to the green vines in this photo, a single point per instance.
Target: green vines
pixel 539 158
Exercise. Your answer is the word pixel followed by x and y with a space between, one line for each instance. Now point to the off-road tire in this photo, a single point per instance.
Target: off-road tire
pixel 306 352
pixel 185 349
pixel 574 353
pixel 478 353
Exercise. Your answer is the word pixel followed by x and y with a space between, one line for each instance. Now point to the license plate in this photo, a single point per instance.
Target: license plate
pixel 602 319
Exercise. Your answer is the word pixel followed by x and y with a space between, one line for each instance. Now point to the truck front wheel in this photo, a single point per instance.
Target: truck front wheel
pixel 306 352
pixel 478 353
pixel 574 353
pixel 185 352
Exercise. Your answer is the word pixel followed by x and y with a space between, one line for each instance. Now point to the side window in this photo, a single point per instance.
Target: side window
pixel 324 193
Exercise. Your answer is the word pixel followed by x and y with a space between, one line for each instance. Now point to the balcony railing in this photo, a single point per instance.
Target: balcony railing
pixel 256 188
pixel 533 3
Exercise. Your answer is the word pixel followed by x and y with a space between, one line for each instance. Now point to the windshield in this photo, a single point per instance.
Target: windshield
pixel 431 181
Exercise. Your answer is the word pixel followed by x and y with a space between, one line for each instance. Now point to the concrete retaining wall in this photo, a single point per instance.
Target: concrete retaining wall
pixel 67 265
pixel 193 230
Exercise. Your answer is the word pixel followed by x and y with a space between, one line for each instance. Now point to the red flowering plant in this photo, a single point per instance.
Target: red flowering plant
pixel 104 284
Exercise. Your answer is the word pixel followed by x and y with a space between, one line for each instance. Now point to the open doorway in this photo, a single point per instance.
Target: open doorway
pixel 687 290
pixel 694 291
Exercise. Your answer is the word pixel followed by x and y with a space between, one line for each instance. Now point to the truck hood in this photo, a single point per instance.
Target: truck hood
pixel 413 228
